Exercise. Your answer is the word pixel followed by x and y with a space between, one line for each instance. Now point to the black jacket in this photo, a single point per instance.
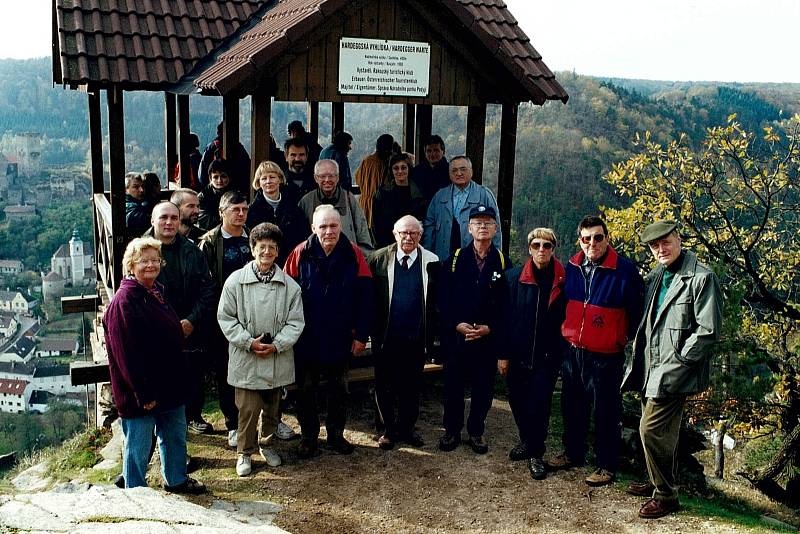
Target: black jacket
pixel 389 204
pixel 289 218
pixel 209 207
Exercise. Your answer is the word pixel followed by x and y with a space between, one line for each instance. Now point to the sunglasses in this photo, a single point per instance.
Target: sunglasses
pixel 597 238
pixel 547 245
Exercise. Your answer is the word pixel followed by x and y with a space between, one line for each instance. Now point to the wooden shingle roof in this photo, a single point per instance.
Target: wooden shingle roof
pixel 140 44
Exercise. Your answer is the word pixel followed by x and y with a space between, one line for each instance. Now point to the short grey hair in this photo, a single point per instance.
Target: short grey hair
pixel 408 219
pixel 135 249
pixel 131 177
pixel 178 196
pixel 323 208
pixel 462 156
pixel 326 161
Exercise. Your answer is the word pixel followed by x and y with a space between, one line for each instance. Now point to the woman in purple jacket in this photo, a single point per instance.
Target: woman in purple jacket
pixel 143 339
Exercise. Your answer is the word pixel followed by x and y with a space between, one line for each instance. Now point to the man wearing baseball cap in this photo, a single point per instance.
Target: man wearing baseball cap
pixel 682 319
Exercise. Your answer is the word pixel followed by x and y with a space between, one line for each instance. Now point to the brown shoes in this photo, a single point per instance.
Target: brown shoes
pixel 654 509
pixel 640 489
pixel 601 477
pixel 562 461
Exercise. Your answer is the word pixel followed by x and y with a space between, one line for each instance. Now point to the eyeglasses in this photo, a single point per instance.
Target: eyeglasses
pixel 483 224
pixel 597 238
pixel 547 245
pixel 411 233
pixel 456 170
pixel 326 176
pixel 147 263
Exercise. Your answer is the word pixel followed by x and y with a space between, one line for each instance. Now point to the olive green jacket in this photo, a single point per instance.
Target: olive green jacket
pixel 670 350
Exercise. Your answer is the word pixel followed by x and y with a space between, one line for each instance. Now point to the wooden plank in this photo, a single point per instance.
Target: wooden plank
pixel 409 128
pixel 313 119
pixel 170 133
pixel 116 167
pixel 260 118
pixel 79 304
pixel 476 136
pixel 298 73
pixel 505 172
pixel 230 139
pixel 447 75
pixel 369 20
pixel 424 126
pixel 96 142
pixel 82 373
pixel 315 90
pixel 337 118
pixel 184 129
pixel 332 65
pixel 386 18
pixel 434 81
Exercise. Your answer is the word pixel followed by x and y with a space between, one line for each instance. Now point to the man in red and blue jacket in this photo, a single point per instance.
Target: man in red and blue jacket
pixel 605 295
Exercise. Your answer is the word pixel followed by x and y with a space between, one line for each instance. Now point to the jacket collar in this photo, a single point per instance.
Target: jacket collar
pixel 249 277
pixel 610 261
pixel 526 276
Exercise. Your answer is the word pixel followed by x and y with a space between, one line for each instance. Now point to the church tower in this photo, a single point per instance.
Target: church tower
pixel 76 258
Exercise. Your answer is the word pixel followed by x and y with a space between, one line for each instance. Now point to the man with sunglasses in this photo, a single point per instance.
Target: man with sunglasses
pixel 604 292
pixel 683 318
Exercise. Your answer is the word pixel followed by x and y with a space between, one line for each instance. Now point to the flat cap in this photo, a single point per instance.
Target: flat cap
pixel 482 211
pixel 657 230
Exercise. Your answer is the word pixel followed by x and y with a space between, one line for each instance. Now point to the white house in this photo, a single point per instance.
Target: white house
pixel 74 262
pixel 12 395
pixel 16 371
pixel 17 302
pixel 8 325
pixel 55 379
pixel 51 346
pixel 22 351
pixel 11 267
pixel 39 401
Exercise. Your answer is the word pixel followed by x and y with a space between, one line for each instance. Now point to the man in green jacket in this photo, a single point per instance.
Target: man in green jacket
pixel 682 319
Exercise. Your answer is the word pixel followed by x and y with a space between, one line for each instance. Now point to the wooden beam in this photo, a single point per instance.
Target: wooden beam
pixel 82 303
pixel 230 139
pixel 260 117
pixel 505 173
pixel 409 128
pixel 337 118
pixel 476 135
pixel 183 141
pixel 82 373
pixel 424 127
pixel 313 119
pixel 170 133
pixel 96 142
pixel 116 167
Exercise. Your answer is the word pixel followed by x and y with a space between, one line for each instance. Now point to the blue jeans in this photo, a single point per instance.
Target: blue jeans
pixel 170 427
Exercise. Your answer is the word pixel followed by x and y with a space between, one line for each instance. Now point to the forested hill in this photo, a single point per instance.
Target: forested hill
pixel 562 150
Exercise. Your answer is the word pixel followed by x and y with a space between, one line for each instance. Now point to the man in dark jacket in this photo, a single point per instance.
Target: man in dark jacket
pixel 209 197
pixel 188 203
pixel 299 172
pixel 473 304
pixel 432 173
pixel 190 291
pixel 535 349
pixel 604 304
pixel 238 159
pixel 137 207
pixel 682 319
pixel 404 280
pixel 335 280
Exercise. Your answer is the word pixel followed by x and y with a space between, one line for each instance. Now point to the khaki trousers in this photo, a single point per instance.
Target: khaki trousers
pixel 659 429
pixel 251 403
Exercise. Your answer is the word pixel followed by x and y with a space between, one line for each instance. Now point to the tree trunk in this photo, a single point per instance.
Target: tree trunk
pixel 719 450
pixel 764 480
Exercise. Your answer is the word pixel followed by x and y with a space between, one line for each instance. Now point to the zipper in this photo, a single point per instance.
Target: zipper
pixel 536 323
pixel 586 302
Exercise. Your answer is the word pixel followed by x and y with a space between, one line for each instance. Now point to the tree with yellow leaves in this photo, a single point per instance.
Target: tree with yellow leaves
pixel 737 199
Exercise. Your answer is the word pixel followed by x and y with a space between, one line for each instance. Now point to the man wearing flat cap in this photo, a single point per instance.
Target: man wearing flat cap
pixel 682 319
pixel 474 305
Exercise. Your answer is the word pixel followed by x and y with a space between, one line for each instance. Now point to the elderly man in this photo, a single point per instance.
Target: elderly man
pixel 682 319
pixel 473 304
pixel 447 221
pixel 353 223
pixel 137 207
pixel 189 205
pixel 299 174
pixel 227 250
pixel 189 289
pixel 335 281
pixel 604 294
pixel 432 173
pixel 404 276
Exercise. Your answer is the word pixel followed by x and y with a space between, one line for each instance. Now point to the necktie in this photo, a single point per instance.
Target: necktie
pixel 404 261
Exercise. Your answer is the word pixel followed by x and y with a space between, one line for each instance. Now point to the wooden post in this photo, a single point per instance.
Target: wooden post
pixel 424 127
pixel 409 128
pixel 337 118
pixel 96 142
pixel 476 135
pixel 183 140
pixel 230 140
pixel 260 116
pixel 313 120
pixel 116 167
pixel 505 172
pixel 170 134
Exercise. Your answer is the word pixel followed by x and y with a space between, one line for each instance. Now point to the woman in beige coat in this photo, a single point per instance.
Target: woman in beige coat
pixel 261 314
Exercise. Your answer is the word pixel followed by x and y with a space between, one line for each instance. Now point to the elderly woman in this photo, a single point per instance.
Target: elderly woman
pixel 399 197
pixel 261 314
pixel 144 343
pixel 276 202
pixel 538 306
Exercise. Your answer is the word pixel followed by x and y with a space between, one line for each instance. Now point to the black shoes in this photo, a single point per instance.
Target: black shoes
pixel 189 486
pixel 449 442
pixel 340 445
pixel 385 443
pixel 307 448
pixel 478 445
pixel 520 452
pixel 537 468
pixel 412 439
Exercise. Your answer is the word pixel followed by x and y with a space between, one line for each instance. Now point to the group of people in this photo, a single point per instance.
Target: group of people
pixel 287 288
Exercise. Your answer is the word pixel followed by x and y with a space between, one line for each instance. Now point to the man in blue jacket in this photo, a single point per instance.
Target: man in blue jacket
pixel 604 292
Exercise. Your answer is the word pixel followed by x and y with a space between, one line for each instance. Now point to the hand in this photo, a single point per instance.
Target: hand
pixel 357 347
pixel 187 327
pixel 502 367
pixel 481 330
pixel 149 405
pixel 262 350
pixel 464 329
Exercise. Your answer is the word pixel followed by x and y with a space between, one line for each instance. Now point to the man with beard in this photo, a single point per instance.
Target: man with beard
pixel 189 205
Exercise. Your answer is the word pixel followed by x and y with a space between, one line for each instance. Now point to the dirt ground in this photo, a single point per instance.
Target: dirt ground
pixel 425 490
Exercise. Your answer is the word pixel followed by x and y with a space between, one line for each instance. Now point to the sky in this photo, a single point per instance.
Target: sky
pixel 686 40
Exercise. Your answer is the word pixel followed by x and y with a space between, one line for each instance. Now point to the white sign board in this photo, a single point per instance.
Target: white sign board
pixel 380 67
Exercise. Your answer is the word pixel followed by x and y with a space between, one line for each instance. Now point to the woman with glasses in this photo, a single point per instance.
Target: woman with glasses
pixel 144 343
pixel 399 197
pixel 534 352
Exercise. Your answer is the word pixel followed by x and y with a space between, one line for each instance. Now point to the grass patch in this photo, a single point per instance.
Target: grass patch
pixel 732 511
pixel 76 456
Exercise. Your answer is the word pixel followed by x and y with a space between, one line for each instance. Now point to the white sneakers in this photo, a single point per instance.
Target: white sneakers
pixel 270 456
pixel 233 439
pixel 243 465
pixel 284 431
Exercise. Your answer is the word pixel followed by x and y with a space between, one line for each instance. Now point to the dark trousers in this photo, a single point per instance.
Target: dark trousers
pixel 592 380
pixel 226 392
pixel 308 376
pixel 659 429
pixel 530 393
pixel 475 363
pixel 196 396
pixel 398 378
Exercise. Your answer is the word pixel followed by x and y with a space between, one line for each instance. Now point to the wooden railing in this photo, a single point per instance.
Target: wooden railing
pixel 104 244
